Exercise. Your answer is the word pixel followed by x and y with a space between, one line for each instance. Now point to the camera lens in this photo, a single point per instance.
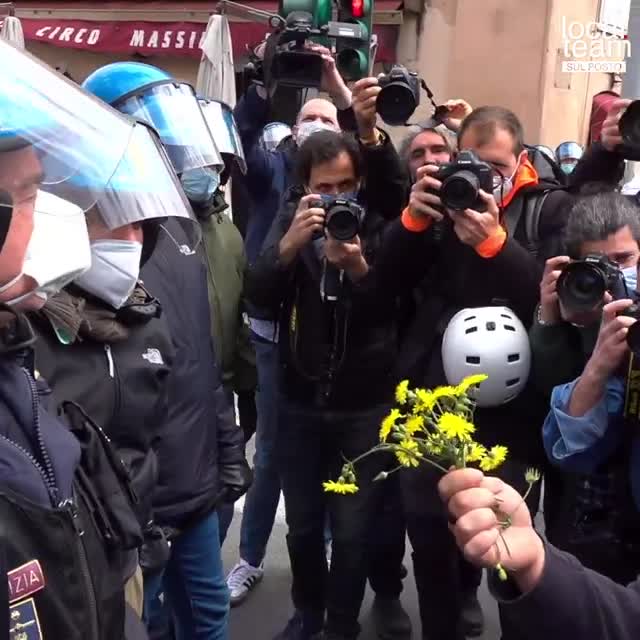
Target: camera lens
pixel 396 103
pixel 342 224
pixel 581 287
pixel 460 190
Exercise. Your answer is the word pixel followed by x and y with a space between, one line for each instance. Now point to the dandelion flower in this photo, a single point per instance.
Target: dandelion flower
pixel 476 452
pixel 532 475
pixel 433 447
pixel 443 392
pixel 408 453
pixel 388 423
pixel 402 392
pixel 494 458
pixel 425 400
pixel 502 573
pixel 453 426
pixel 470 381
pixel 414 424
pixel 339 487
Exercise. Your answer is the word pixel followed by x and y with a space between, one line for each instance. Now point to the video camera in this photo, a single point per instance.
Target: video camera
pixel 462 180
pixel 343 218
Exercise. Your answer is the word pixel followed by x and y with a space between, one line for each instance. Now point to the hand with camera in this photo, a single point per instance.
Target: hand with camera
pixel 346 256
pixel 607 356
pixel 331 81
pixel 424 199
pixel 456 111
pixel 474 227
pixel 549 304
pixel 307 221
pixel 611 137
pixel 365 96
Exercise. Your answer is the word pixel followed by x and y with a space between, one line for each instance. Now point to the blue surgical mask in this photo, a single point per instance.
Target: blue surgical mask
pixel 347 195
pixel 200 184
pixel 631 278
pixel 568 167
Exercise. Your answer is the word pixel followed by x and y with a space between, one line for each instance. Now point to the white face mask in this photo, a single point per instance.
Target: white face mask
pixel 305 129
pixel 114 271
pixel 503 186
pixel 58 250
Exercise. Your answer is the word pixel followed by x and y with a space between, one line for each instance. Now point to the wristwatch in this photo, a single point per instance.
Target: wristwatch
pixel 539 319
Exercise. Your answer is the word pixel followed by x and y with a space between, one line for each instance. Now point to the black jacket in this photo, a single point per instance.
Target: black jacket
pixel 60 574
pixel 572 602
pixel 453 276
pixel 200 435
pixel 336 355
pixel 121 385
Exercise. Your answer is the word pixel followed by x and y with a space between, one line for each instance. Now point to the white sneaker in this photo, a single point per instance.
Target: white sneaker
pixel 242 579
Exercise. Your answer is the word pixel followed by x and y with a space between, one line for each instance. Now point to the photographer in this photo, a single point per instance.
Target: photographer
pixel 337 348
pixel 586 431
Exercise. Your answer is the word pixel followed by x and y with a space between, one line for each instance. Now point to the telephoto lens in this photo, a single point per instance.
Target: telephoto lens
pixel 460 191
pixel 400 95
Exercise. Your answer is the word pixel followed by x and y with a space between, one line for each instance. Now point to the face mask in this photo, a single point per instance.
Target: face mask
pixel 503 186
pixel 200 184
pixel 114 271
pixel 568 167
pixel 306 129
pixel 347 195
pixel 631 278
pixel 58 250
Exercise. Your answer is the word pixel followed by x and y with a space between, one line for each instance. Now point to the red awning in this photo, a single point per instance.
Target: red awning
pixel 158 37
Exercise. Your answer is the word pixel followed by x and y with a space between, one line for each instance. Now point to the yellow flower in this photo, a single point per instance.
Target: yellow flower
pixel 388 423
pixel 470 381
pixel 340 487
pixel 453 426
pixel 494 458
pixel 475 452
pixel 443 392
pixel 425 400
pixel 408 453
pixel 414 424
pixel 402 391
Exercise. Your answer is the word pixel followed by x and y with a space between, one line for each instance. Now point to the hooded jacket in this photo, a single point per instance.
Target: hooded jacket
pixel 200 435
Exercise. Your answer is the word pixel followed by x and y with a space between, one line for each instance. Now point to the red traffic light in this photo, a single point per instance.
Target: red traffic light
pixel 357 8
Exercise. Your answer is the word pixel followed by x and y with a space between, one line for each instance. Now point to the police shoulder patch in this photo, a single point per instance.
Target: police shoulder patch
pixel 25 580
pixel 25 624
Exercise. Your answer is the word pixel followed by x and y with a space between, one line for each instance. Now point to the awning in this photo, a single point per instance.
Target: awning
pixel 162 28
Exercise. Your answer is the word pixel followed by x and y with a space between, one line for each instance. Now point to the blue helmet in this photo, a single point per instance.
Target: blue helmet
pixel 153 96
pixel 115 82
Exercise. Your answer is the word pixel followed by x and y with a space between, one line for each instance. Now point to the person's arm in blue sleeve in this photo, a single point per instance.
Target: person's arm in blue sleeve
pixel 252 115
pixel 581 443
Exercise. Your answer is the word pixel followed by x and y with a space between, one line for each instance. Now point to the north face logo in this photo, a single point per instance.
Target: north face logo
pixel 153 356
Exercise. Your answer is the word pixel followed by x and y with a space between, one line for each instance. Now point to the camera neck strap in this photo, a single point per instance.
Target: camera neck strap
pixel 632 397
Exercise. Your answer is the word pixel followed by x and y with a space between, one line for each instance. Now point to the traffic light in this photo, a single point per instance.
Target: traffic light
pixel 353 55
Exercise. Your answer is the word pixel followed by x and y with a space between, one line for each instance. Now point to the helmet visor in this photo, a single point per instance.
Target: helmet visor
pixel 145 187
pixel 224 130
pixel 173 110
pixel 51 131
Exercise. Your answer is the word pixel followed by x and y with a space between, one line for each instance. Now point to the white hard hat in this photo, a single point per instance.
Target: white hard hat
pixel 492 341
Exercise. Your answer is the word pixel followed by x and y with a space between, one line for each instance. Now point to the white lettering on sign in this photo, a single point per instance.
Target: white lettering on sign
pixel 65 36
pixel 180 40
pixel 166 39
pixel 42 31
pixel 137 39
pixel 79 36
pixel 153 40
pixel 69 34
pixel 94 36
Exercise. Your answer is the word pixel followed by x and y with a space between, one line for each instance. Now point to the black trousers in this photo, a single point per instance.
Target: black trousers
pixel 443 577
pixel 387 540
pixel 312 446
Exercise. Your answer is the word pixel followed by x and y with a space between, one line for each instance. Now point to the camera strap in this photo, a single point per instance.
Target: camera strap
pixel 632 396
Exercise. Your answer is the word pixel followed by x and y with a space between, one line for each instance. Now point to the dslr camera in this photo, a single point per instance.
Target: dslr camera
pixel 582 285
pixel 462 180
pixel 343 218
pixel 400 95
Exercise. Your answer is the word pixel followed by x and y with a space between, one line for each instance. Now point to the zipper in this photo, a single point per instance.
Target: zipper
pixel 47 469
pixel 112 367
pixel 71 507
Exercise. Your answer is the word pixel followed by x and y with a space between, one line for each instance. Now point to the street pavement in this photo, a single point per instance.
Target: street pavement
pixel 268 607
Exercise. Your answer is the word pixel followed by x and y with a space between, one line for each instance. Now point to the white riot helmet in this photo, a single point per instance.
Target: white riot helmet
pixel 492 341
